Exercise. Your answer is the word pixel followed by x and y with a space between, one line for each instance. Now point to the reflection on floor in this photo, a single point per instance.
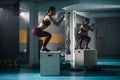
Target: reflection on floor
pixel 113 73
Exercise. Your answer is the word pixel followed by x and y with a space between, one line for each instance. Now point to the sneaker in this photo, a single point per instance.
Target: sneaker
pixel 45 49
pixel 87 48
pixel 81 48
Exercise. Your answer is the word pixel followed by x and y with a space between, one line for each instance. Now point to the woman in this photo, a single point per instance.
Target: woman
pixel 84 33
pixel 47 20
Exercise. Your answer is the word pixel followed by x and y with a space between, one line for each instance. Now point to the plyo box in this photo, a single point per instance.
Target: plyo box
pixel 50 63
pixel 85 57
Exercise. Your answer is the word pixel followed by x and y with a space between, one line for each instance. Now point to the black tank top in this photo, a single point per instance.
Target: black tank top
pixel 46 22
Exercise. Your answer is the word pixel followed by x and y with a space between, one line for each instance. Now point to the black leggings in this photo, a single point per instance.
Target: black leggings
pixel 84 37
pixel 40 33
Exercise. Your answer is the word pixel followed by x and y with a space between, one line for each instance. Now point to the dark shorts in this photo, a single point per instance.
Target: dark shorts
pixel 36 31
pixel 79 36
pixel 40 33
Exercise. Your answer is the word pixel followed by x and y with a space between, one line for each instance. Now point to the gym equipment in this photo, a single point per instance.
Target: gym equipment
pixel 50 63
pixel 86 57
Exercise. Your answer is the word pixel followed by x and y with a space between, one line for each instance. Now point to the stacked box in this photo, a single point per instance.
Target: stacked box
pixel 85 57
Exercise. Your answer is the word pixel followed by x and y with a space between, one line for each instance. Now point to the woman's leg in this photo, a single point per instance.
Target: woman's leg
pixel 40 33
pixel 47 39
pixel 81 40
pixel 87 38
pixel 88 41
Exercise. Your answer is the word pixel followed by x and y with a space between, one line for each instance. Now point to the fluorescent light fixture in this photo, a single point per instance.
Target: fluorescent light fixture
pixel 1 9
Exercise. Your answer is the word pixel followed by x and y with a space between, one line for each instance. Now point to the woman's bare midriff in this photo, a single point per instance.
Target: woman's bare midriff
pixel 41 26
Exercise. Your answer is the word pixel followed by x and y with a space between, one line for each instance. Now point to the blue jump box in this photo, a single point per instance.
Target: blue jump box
pixel 50 63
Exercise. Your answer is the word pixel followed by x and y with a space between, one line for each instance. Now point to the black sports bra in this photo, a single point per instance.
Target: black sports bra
pixel 46 22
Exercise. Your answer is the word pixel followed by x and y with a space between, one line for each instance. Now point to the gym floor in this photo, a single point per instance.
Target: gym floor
pixel 111 72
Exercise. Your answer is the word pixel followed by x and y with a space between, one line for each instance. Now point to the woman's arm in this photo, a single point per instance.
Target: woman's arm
pixel 92 27
pixel 55 22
